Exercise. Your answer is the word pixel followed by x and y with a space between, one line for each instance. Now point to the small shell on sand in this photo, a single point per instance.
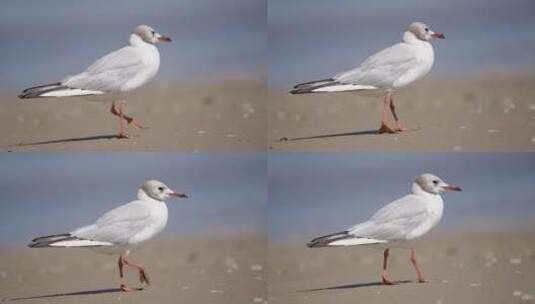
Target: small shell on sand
pixel 216 291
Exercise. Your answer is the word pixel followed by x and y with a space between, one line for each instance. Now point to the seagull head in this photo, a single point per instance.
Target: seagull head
pixel 149 35
pixel 158 191
pixel 423 32
pixel 433 184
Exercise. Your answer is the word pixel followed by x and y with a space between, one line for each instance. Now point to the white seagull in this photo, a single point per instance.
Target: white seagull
pixel 122 228
pixel 384 72
pixel 398 223
pixel 115 74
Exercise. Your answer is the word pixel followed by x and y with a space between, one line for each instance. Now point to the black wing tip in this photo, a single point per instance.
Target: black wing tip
pixel 51 236
pixel 312 245
pixel 45 241
pixel 35 92
pixel 312 82
pixel 299 91
pixel 42 86
pixel 28 95
pixel 323 241
pixel 309 87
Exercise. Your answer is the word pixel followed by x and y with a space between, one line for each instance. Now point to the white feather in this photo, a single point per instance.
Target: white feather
pixel 70 92
pixel 80 243
pixel 344 88
pixel 123 70
pixel 356 241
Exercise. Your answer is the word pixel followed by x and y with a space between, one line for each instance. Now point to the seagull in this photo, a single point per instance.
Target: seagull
pixel 396 224
pixel 385 72
pixel 114 75
pixel 120 229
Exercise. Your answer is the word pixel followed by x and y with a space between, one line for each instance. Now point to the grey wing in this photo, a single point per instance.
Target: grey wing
pixel 383 68
pixel 110 72
pixel 395 221
pixel 117 225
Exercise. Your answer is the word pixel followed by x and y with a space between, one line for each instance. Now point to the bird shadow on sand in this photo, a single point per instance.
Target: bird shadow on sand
pixel 76 293
pixel 356 133
pixel 67 140
pixel 351 286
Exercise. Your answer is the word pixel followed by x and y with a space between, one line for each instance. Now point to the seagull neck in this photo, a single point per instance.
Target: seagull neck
pixel 135 40
pixel 410 38
pixel 416 189
pixel 142 196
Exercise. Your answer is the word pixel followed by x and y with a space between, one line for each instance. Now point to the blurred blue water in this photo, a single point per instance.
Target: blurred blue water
pixel 311 194
pixel 311 39
pixel 212 39
pixel 44 193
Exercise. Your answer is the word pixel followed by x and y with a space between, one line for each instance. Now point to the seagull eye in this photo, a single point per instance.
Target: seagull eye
pixel 161 189
pixel 435 182
pixel 426 29
pixel 153 33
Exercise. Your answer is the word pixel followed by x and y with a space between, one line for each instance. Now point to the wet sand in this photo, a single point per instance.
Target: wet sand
pixel 462 267
pixel 488 112
pixel 211 117
pixel 223 269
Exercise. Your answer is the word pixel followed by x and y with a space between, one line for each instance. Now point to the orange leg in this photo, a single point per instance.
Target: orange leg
pixel 121 276
pixel 385 128
pixel 399 127
pixel 384 274
pixel 415 264
pixel 117 109
pixel 143 276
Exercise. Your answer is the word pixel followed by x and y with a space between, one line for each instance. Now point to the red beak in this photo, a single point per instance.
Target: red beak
pixel 165 38
pixel 438 35
pixel 452 188
pixel 179 194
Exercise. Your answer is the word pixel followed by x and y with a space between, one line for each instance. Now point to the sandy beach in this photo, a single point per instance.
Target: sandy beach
pixel 469 266
pixel 486 112
pixel 223 269
pixel 211 117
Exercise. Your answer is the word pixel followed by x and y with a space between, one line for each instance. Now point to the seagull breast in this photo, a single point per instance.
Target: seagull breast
pixel 422 62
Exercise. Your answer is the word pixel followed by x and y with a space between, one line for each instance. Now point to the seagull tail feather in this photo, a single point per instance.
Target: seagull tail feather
pixel 343 238
pixel 65 240
pixel 309 87
pixel 323 241
pixel 56 89
pixel 329 86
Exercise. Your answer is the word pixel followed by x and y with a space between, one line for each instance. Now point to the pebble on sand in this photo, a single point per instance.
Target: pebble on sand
pixel 515 261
